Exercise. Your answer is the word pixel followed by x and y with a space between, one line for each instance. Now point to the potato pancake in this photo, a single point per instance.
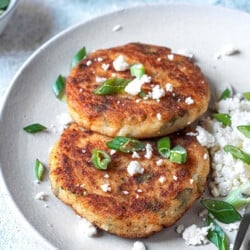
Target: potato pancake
pixel 169 92
pixel 139 193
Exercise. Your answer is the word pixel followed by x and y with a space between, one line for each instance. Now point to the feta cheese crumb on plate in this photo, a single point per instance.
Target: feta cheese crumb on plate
pixel 228 172
pixel 42 196
pixel 194 235
pixel 138 245
pixel 86 228
pixel 227 50
pixel 117 28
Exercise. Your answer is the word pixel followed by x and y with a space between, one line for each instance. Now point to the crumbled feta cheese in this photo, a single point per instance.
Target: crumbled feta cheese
pixel 227 172
pixel 204 137
pixel 88 63
pixel 135 155
pixel 134 87
pixel 106 176
pixel 99 59
pixel 134 167
pixel 192 134
pixel 106 187
pixel 86 228
pixel 162 179
pixel 180 228
pixel 125 192
pixel 158 59
pixel 205 156
pixel 99 79
pixel 227 50
pixel 117 28
pixel 170 57
pixel 169 87
pixel 120 63
pixel 189 100
pixel 194 235
pixel 41 196
pixel 62 122
pixel 185 52
pixel 159 162
pixel 105 66
pixel 112 151
pixel 138 245
pixel 191 181
pixel 139 190
pixel 156 93
pixel 149 151
pixel 158 116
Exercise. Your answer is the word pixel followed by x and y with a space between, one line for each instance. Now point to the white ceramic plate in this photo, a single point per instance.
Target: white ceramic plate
pixel 202 30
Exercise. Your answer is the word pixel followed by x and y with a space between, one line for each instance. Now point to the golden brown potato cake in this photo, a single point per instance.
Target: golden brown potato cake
pixel 127 205
pixel 184 92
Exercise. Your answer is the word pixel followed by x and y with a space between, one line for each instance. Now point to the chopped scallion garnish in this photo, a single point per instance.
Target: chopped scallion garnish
pixel 178 154
pixel 78 57
pixel 225 119
pixel 112 86
pixel 125 144
pixel 245 130
pixel 221 210
pixel 247 95
pixel 34 128
pixel 100 159
pixel 225 94
pixel 137 70
pixel 237 153
pixel 59 87
pixel 4 4
pixel 216 235
pixel 163 146
pixel 39 170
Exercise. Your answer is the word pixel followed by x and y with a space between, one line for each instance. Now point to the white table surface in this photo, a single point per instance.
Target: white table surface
pixel 34 22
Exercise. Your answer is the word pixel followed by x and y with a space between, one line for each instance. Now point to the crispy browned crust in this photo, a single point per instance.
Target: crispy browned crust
pixel 120 114
pixel 76 182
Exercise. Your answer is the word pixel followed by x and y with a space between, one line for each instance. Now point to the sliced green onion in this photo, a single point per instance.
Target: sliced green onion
pixel 163 146
pixel 225 94
pixel 137 70
pixel 78 57
pixel 178 154
pixel 239 196
pixel 221 210
pixel 247 95
pixel 225 119
pixel 100 159
pixel 39 170
pixel 237 153
pixel 125 144
pixel 4 4
pixel 34 128
pixel 142 94
pixel 245 130
pixel 112 86
pixel 59 87
pixel 216 235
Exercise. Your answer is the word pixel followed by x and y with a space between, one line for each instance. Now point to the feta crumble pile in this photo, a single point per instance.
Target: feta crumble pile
pixel 228 172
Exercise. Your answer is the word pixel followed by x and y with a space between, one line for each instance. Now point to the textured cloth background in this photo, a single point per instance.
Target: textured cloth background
pixel 34 22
